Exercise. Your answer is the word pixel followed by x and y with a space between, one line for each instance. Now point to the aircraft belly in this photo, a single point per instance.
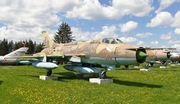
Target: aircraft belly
pixel 113 61
pixel 8 61
pixel 81 69
pixel 150 59
pixel 126 61
pixel 98 60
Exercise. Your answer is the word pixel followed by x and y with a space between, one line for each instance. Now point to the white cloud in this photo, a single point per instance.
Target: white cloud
pixel 155 42
pixel 107 31
pixel 93 10
pixel 140 43
pixel 164 4
pixel 64 5
pixel 177 46
pixel 128 39
pixel 173 42
pixel 137 8
pixel 15 35
pixel 162 19
pixel 165 19
pixel 177 31
pixel 144 35
pixel 166 36
pixel 129 26
pixel 81 35
pixel 21 14
pixel 176 22
pixel 131 40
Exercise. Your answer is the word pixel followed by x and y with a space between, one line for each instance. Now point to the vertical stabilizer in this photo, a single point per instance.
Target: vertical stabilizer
pixel 18 52
pixel 47 41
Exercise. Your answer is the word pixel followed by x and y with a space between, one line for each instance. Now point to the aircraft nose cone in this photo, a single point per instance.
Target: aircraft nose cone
pixel 55 66
pixel 141 56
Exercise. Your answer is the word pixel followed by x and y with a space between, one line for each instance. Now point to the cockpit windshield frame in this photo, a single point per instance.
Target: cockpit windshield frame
pixel 111 40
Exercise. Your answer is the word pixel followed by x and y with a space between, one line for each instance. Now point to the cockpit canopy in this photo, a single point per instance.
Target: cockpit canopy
pixel 111 41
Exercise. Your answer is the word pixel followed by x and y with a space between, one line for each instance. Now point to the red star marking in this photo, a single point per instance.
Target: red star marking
pixel 5 59
pixel 15 54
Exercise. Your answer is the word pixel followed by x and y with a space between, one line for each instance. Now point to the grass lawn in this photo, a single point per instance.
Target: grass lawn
pixel 21 85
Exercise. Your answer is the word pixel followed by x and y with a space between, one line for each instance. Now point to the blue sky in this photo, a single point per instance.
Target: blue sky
pixel 152 23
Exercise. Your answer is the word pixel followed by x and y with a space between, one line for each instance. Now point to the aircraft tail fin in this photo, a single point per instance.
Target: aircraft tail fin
pixel 47 41
pixel 19 52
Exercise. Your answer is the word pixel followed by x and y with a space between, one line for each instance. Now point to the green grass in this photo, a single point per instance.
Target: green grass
pixel 21 85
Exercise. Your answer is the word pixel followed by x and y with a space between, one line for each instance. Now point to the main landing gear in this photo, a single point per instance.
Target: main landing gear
pixel 102 74
pixel 48 72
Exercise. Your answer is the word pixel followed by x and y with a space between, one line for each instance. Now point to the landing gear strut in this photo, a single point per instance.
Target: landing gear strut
pixel 102 74
pixel 48 72
pixel 147 66
pixel 164 63
pixel 126 67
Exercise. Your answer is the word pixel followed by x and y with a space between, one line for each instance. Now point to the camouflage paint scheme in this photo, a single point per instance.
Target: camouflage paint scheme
pixel 93 52
pixel 97 51
pixel 157 54
pixel 107 53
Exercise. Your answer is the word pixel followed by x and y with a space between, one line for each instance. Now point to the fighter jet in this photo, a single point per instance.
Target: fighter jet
pixel 106 52
pixel 157 55
pixel 175 57
pixel 8 59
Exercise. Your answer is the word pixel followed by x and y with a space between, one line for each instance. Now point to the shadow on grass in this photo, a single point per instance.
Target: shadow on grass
pixel 62 76
pixel 136 84
pixel 1 82
pixel 169 70
pixel 34 76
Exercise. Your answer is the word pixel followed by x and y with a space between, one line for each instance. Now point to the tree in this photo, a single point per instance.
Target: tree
pixel 18 45
pixel 31 45
pixel 10 46
pixel 4 47
pixel 39 47
pixel 7 47
pixel 63 35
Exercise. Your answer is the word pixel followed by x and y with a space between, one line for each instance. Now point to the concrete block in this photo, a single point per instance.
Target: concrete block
pixel 111 69
pixel 42 77
pixel 144 69
pixel 163 66
pixel 100 81
pixel 136 67
pixel 173 65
